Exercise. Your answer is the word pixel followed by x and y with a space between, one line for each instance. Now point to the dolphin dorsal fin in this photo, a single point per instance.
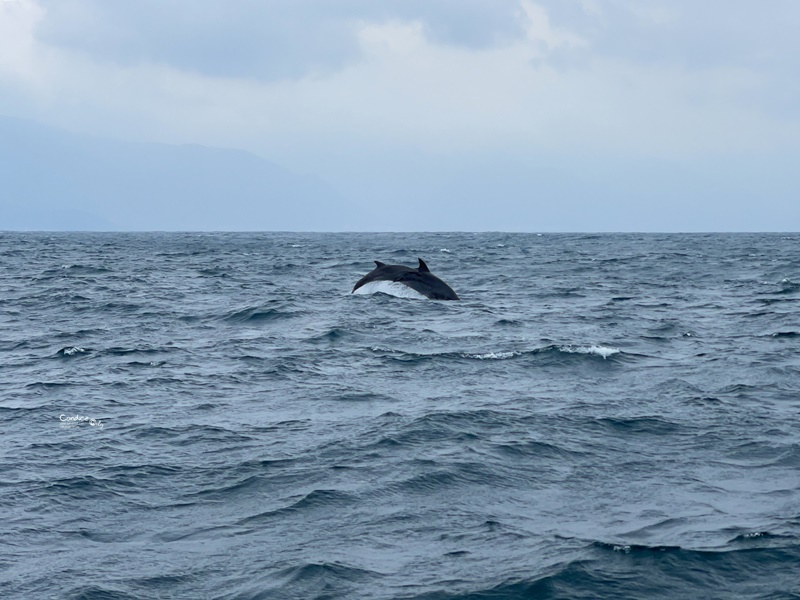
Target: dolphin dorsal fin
pixel 379 264
pixel 423 268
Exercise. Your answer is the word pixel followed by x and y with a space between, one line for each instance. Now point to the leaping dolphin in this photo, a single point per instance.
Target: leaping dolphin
pixel 421 280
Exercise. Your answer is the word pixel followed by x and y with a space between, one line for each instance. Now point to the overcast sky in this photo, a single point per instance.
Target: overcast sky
pixel 447 114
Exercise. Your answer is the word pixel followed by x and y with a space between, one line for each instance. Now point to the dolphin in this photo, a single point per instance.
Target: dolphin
pixel 421 280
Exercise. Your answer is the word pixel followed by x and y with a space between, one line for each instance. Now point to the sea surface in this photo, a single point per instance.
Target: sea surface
pixel 195 416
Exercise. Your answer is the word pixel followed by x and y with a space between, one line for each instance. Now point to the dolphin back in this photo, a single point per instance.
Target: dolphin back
pixel 429 285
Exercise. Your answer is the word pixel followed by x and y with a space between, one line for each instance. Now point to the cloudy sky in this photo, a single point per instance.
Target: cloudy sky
pixel 609 115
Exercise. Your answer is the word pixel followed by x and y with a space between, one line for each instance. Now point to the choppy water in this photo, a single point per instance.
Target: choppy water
pixel 601 416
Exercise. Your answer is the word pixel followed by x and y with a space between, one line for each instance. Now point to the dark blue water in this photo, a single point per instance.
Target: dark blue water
pixel 600 416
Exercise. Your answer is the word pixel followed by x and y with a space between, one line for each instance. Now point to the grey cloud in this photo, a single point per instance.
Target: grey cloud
pixel 692 36
pixel 246 38
pixel 262 39
pixel 711 33
pixel 470 23
pixel 278 39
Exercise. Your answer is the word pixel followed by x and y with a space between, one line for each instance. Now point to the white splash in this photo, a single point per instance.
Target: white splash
pixel 74 350
pixel 392 288
pixel 603 351
pixel 445 250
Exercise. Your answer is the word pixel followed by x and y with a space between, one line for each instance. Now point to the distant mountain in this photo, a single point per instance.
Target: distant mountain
pixel 51 179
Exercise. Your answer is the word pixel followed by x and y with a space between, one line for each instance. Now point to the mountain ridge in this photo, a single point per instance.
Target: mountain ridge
pixel 54 179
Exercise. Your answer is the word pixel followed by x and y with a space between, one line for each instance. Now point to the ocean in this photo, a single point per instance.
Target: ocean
pixel 215 415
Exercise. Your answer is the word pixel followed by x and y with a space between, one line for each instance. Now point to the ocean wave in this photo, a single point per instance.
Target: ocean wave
pixel 771 301
pixel 508 322
pixel 258 314
pixel 761 538
pixel 114 306
pixel 646 424
pixel 150 364
pixel 49 385
pixel 611 571
pixel 124 351
pixel 313 571
pixel 785 334
pixel 220 272
pixel 438 478
pixel 186 435
pixel 491 355
pixel 316 499
pixel 437 427
pixel 635 548
pixel 84 487
pixel 603 351
pixel 99 592
pixel 81 270
pixel 787 286
pixel 552 350
pixel 221 491
pixel 320 580
pixel 332 335
pixel 139 473
pixel 71 351
pixel 10 345
pixel 536 449
pixel 361 397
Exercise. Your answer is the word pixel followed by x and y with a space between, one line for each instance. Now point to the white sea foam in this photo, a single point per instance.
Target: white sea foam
pixel 603 351
pixel 392 288
pixel 74 350
pixel 445 250
pixel 492 355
